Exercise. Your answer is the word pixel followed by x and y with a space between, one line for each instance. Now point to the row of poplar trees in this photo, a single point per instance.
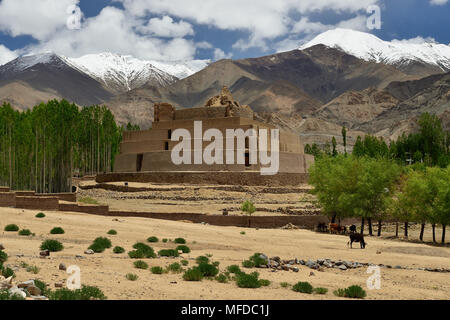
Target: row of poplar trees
pixel 41 149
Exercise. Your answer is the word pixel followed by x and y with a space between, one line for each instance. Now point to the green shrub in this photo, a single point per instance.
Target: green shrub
pixel 42 286
pixel 264 282
pixel 25 232
pixel 3 256
pixel 355 292
pixel 248 207
pixel 152 239
pixel 7 272
pixel 104 242
pixel 284 284
pixel 320 290
pixel 185 249
pixel 175 267
pixel 142 251
pixel 131 277
pixel 12 228
pixel 243 233
pixel 184 262
pixel 52 245
pixel 193 274
pixel 5 295
pixel 180 241
pixel 140 264
pixel 118 250
pixel 234 269
pixel 222 278
pixel 40 215
pixel 57 230
pixel 208 270
pixel 303 287
pixel 339 292
pixel 164 240
pixel 85 293
pixel 97 247
pixel 202 259
pixel 168 253
pixel 244 280
pixel 157 270
pixel 112 232
pixel 257 260
pixel 248 264
pixel 33 269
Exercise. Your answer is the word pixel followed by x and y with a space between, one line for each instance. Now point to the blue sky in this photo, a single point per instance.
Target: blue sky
pixel 203 29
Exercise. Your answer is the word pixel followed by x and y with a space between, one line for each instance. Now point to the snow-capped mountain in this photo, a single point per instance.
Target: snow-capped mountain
pixel 399 53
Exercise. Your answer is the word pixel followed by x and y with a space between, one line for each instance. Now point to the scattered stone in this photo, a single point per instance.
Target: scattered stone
pixel 321 269
pixel 397 267
pixel 89 251
pixel 79 257
pixel 58 285
pixel 312 274
pixel 45 253
pixel 342 267
pixel 62 266
pixel 378 252
pixel 34 291
pixel 295 269
pixel 2 247
pixel 276 259
pixel 26 284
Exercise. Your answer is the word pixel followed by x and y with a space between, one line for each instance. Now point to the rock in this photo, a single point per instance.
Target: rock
pixel 295 269
pixel 2 247
pixel 34 291
pixel 45 253
pixel 312 274
pixel 265 258
pixel 327 264
pixel 79 257
pixel 320 261
pixel 62 266
pixel 277 259
pixel 26 284
pixel 39 298
pixel 397 267
pixel 58 285
pixel 18 292
pixel 378 252
pixel 338 263
pixel 342 267
pixel 89 251
pixel 302 262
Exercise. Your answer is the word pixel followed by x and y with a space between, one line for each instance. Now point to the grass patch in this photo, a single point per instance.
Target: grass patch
pixel 157 270
pixel 320 290
pixel 208 270
pixel 100 244
pixel 88 200
pixel 131 277
pixel 33 269
pixel 264 282
pixel 168 253
pixel 303 287
pixel 248 264
pixel 40 215
pixel 243 233
pixel 164 240
pixel 175 268
pixel 12 228
pixel 85 293
pixel 112 232
pixel 7 272
pixel 354 292
pixel 285 284
pixel 180 241
pixel 185 249
pixel 153 239
pixel 193 274
pixel 244 280
pixel 234 269
pixel 142 251
pixel 118 250
pixel 52 245
pixel 140 265
pixel 57 230
pixel 202 259
pixel 184 262
pixel 25 232
pixel 222 278
pixel 3 256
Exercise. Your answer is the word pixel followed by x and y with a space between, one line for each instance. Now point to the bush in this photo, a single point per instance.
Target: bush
pixel 303 287
pixel 244 280
pixel 33 269
pixel 85 293
pixel 164 240
pixel 57 230
pixel 264 283
pixel 112 232
pixel 5 295
pixel 3 256
pixel 248 207
pixel 222 278
pixel 142 251
pixel 40 215
pixel 118 250
pixel 105 242
pixel 243 233
pixel 168 253
pixel 284 284
pixel 131 277
pixel 185 249
pixel 157 270
pixel 208 270
pixel 12 228
pixel 257 260
pixel 248 264
pixel 320 290
pixel 184 262
pixel 42 286
pixel 7 272
pixel 355 292
pixel 52 245
pixel 152 239
pixel 25 232
pixel 339 292
pixel 97 247
pixel 234 269
pixel 180 241
pixel 140 264
pixel 202 259
pixel 175 267
pixel 193 274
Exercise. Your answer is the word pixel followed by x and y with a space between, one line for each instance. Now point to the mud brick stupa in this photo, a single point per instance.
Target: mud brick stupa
pixel 145 156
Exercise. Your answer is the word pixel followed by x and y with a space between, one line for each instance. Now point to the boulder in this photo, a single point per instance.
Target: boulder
pixel 89 251
pixel 18 292
pixel 34 291
pixel 62 267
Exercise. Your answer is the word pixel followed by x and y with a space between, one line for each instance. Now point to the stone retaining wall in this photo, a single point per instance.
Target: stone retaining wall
pixel 91 209
pixel 7 199
pixel 4 189
pixel 69 197
pixel 37 203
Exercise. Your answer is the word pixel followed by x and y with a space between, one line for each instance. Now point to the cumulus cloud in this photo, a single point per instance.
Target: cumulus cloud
pixel 219 54
pixel 6 55
pixel 438 2
pixel 166 27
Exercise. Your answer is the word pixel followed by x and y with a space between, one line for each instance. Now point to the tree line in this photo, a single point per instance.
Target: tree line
pixel 41 149
pixel 374 183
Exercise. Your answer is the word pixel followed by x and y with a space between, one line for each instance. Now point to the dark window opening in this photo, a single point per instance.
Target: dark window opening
pixel 139 159
pixel 247 159
pixel 247 143
pixel 166 147
pixel 169 136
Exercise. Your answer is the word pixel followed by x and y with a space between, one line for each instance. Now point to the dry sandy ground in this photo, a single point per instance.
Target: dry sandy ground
pixel 228 246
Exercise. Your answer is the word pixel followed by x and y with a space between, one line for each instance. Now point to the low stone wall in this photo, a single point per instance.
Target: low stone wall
pixel 91 209
pixel 25 193
pixel 4 189
pixel 251 178
pixel 37 203
pixel 7 199
pixel 69 197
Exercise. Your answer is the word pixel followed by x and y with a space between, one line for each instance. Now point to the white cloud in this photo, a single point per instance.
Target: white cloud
pixel 438 2
pixel 6 55
pixel 40 19
pixel 219 54
pixel 166 27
